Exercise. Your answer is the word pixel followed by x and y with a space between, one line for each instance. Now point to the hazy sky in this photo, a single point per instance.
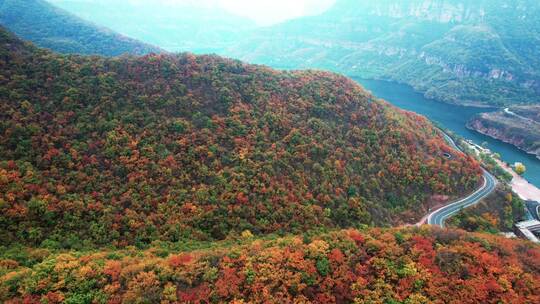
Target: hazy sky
pixel 264 12
pixel 273 11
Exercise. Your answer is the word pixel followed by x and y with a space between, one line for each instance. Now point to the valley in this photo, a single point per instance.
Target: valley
pixel 454 118
pixel 197 178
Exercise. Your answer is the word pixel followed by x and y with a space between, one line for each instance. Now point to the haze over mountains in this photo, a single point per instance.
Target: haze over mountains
pixel 177 28
pixel 478 52
pixel 472 52
pixel 54 28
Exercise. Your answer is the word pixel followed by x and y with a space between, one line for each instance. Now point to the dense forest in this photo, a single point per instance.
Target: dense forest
pixel 407 266
pixel 126 151
pixel 53 28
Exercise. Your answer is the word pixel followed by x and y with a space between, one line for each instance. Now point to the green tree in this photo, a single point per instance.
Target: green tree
pixel 521 169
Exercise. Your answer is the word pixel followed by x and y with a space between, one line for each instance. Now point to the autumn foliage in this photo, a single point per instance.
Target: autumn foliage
pixel 375 266
pixel 125 151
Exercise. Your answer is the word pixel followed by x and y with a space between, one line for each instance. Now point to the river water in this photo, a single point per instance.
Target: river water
pixel 452 117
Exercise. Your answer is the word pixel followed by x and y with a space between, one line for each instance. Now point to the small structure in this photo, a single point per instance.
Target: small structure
pixel 534 209
pixel 527 230
pixel 477 148
pixel 508 235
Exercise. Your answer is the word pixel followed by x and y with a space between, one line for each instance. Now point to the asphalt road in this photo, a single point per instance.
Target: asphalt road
pixel 439 216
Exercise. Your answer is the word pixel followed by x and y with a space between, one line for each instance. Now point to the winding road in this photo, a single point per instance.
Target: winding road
pixel 534 122
pixel 439 216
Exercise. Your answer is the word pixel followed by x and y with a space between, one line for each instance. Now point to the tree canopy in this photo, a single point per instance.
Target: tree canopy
pixel 125 151
pixel 402 266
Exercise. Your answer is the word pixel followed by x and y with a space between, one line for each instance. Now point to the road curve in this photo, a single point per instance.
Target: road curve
pixel 439 216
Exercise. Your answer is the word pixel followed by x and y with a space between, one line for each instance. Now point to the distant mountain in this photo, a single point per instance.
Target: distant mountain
pixel 97 151
pixel 472 52
pixel 56 29
pixel 177 28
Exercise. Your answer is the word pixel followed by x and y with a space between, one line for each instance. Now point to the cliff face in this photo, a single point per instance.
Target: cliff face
pixel 443 11
pixel 475 25
pixel 510 127
pixel 434 10
pixel 479 124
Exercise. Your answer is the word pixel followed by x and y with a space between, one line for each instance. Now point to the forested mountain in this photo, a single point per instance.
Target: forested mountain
pixel 123 151
pixel 473 52
pixel 56 29
pixel 197 179
pixel 190 27
pixel 410 266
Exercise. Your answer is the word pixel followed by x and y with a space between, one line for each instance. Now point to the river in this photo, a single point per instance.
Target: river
pixel 452 117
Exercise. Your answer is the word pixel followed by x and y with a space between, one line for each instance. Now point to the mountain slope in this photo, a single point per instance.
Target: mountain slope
pixel 472 52
pixel 56 29
pixel 97 151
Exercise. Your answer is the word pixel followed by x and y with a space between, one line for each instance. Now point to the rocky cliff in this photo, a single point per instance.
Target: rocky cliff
pixel 510 127
pixel 433 10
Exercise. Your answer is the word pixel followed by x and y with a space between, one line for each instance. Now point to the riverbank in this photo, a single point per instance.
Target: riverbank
pixel 518 126
pixel 453 118
pixel 521 186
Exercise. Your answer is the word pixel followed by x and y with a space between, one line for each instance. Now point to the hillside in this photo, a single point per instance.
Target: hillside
pixel 56 29
pixel 519 126
pixel 126 151
pixel 372 266
pixel 467 52
pixel 173 26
